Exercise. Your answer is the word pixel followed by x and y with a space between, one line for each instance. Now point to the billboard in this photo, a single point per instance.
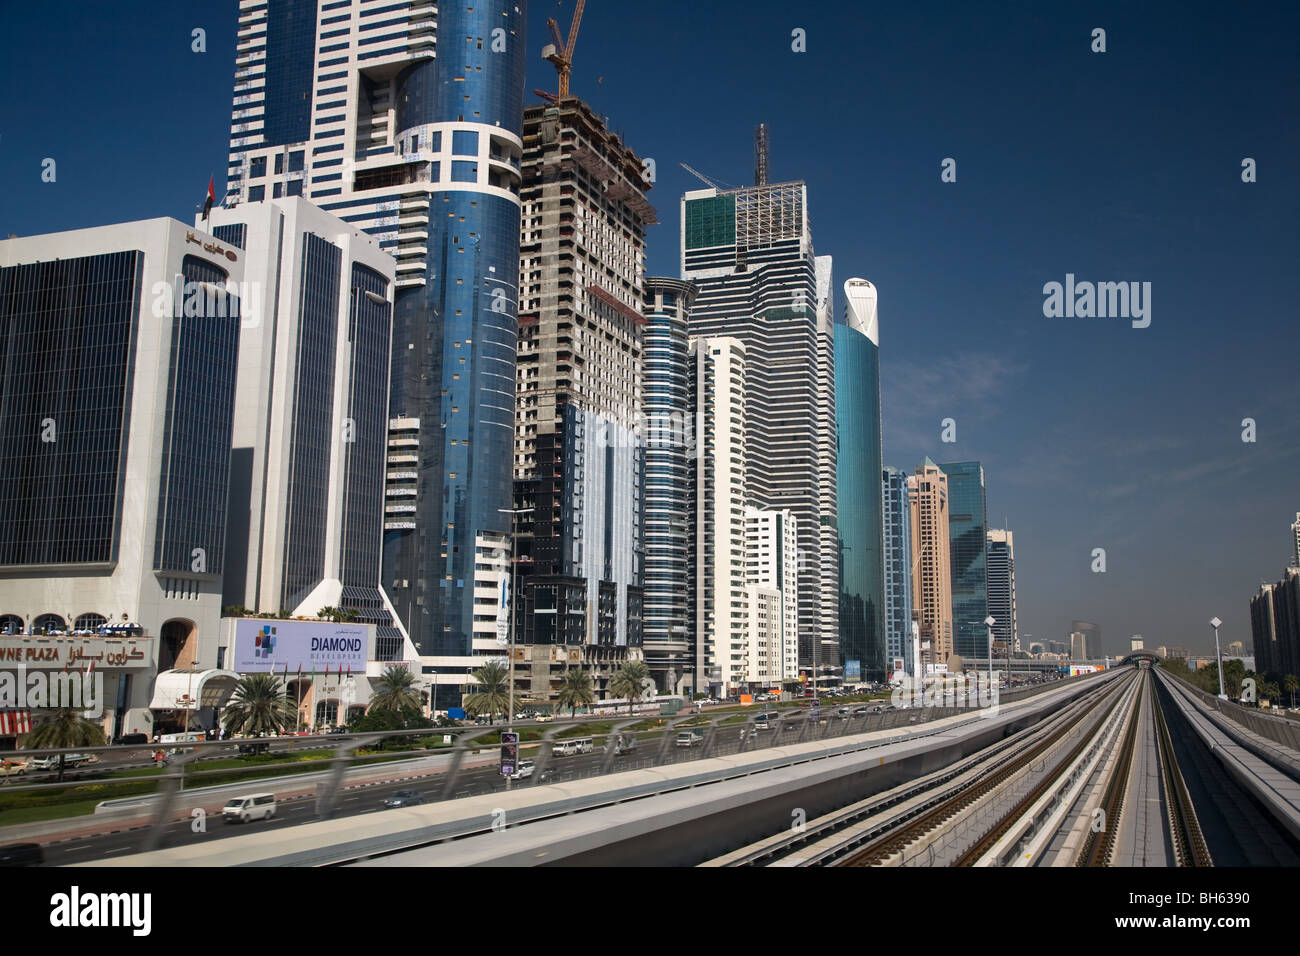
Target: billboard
pixel 264 645
pixel 853 670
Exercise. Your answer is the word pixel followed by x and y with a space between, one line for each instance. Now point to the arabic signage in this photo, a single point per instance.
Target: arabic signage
pixel 212 247
pixel 263 645
pixel 80 652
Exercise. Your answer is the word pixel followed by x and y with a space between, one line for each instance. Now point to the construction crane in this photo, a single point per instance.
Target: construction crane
pixel 561 53
pixel 700 176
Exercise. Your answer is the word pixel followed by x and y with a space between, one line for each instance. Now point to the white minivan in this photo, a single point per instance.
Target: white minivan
pixel 255 806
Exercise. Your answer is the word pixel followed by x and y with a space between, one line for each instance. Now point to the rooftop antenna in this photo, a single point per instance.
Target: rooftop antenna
pixel 760 155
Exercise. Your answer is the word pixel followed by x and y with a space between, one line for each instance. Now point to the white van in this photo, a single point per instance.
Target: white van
pixel 574 745
pixel 255 806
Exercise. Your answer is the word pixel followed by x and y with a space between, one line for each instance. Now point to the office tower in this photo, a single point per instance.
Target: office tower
pixel 579 448
pixel 772 580
pixel 718 381
pixel 119 347
pixel 1079 646
pixel 859 515
pixel 927 494
pixel 344 103
pixel 967 526
pixel 897 538
pixel 750 252
pixel 1135 643
pixel 1092 635
pixel 1295 532
pixel 306 511
pixel 829 653
pixel 1002 588
pixel 1275 626
pixel 669 456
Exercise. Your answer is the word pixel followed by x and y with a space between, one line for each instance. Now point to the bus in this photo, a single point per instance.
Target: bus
pixel 573 745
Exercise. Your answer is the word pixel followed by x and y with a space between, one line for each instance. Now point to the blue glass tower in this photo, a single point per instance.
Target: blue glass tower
pixel 858 468
pixel 667 481
pixel 898 570
pixel 345 103
pixel 968 547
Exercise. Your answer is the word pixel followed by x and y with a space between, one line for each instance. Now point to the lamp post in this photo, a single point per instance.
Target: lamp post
pixel 1214 623
pixel 989 622
pixel 514 577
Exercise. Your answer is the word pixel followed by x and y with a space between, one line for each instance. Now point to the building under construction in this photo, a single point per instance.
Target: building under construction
pixel 579 451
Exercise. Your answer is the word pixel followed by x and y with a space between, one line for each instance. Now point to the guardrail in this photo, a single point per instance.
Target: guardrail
pixel 618 743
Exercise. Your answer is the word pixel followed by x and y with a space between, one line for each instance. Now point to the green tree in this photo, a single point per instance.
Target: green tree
pixel 629 682
pixel 395 691
pixel 258 706
pixel 1291 685
pixel 492 696
pixel 65 728
pixel 576 691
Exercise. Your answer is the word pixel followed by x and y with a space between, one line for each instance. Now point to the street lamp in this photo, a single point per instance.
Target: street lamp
pixel 514 577
pixel 1214 623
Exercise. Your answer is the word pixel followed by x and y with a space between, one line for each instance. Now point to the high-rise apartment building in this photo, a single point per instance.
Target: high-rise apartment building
pixel 1079 645
pixel 772 579
pixel 344 102
pixel 967 527
pixel 859 515
pixel 1295 534
pixel 1275 626
pixel 306 512
pixel 579 446
pixel 119 347
pixel 897 560
pixel 719 379
pixel 927 494
pixel 669 460
pixel 1092 636
pixel 750 252
pixel 1002 587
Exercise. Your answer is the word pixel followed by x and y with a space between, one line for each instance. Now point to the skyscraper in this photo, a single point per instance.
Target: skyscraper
pixel 1091 634
pixel 306 508
pixel 579 447
pixel 1002 587
pixel 772 579
pixel 859 514
pixel 719 370
pixel 1295 533
pixel 927 494
pixel 896 517
pixel 750 252
pixel 967 534
pixel 669 437
pixel 344 102
pixel 119 346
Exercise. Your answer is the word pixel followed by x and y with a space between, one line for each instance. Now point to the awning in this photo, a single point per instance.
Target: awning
pixel 15 723
pixel 192 690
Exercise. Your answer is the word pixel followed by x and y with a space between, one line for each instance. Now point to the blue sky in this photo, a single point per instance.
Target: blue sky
pixel 1117 166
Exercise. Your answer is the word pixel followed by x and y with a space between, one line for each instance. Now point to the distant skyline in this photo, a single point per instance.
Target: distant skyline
pixel 1115 166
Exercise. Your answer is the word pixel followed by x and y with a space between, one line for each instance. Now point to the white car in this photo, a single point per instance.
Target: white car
pixel 524 770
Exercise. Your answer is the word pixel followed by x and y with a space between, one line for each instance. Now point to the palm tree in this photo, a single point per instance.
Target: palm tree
pixel 258 706
pixel 65 728
pixel 629 682
pixel 394 691
pixel 1291 685
pixel 492 696
pixel 575 691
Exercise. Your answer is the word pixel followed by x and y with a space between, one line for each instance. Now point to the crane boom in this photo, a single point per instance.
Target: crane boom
pixel 561 53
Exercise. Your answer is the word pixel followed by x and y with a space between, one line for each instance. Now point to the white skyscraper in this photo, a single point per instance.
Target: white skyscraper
pixel 718 368
pixel 772 579
pixel 1002 587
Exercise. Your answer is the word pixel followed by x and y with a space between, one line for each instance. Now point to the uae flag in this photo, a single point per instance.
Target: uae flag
pixel 212 197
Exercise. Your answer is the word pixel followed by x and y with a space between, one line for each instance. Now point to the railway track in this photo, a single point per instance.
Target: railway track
pixel 895 817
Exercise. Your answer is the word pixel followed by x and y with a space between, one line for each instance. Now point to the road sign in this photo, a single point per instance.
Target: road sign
pixel 509 752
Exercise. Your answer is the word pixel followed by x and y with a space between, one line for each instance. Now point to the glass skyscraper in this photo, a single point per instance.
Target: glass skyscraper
pixel 898 571
pixel 750 251
pixel 344 102
pixel 668 416
pixel 857 423
pixel 968 543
